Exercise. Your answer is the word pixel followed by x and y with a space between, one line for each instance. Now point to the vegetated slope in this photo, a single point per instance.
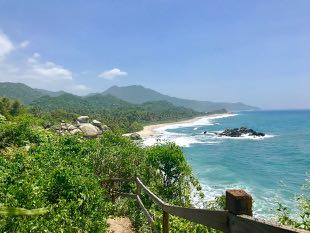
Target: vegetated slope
pixel 139 94
pixel 19 91
pixel 113 111
pixel 133 94
pixel 23 92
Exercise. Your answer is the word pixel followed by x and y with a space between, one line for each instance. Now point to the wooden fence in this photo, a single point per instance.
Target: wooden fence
pixel 237 218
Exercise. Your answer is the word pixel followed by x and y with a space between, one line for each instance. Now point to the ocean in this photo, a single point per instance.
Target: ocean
pixel 272 169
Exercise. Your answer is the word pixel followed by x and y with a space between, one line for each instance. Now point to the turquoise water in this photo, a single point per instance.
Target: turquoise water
pixel 270 169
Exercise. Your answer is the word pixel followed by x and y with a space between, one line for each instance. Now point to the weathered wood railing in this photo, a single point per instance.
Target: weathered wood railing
pixel 237 218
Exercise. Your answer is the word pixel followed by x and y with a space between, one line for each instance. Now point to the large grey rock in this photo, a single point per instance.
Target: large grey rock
pixel 75 131
pixel 135 136
pixel 89 130
pixel 97 124
pixel 71 127
pixel 83 119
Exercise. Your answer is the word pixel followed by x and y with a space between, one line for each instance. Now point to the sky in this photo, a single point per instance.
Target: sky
pixel 256 52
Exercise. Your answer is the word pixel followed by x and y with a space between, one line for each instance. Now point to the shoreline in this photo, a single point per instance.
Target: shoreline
pixel 150 130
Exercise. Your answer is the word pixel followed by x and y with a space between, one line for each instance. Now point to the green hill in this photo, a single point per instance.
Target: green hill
pixel 132 94
pixel 116 113
pixel 138 94
pixel 19 91
pixel 23 92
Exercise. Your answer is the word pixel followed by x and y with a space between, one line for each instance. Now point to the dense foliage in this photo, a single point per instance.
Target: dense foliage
pixel 66 175
pixel 303 220
pixel 138 94
pixel 135 94
pixel 116 113
pixel 9 108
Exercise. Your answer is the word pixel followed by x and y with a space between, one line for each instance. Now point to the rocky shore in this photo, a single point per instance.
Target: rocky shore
pixel 238 132
pixel 82 126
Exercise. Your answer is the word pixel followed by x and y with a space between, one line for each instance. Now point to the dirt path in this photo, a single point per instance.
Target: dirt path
pixel 120 225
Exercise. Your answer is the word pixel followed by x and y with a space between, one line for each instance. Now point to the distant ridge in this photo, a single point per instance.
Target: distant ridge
pixel 23 92
pixel 138 94
pixel 134 94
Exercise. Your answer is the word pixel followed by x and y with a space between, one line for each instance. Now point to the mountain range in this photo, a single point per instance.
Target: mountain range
pixel 134 94
pixel 138 94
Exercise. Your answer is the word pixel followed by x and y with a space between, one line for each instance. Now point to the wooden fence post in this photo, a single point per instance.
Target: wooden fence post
pixel 165 222
pixel 113 191
pixel 138 191
pixel 239 202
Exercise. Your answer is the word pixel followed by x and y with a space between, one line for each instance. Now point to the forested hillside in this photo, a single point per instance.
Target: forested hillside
pixel 54 183
pixel 133 94
pixel 138 94
pixel 116 113
pixel 24 93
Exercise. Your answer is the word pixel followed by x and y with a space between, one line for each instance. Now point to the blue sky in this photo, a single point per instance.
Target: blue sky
pixel 257 52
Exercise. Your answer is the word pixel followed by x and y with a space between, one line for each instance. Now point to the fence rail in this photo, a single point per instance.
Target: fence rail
pixel 237 218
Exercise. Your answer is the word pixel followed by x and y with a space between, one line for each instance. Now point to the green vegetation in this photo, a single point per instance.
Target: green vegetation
pixel 53 183
pixel 22 92
pixel 61 176
pixel 132 94
pixel 303 220
pixel 138 94
pixel 117 114
pixel 9 108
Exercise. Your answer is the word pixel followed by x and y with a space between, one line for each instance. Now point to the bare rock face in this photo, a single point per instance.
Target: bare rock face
pixel 83 119
pixel 135 136
pixel 90 130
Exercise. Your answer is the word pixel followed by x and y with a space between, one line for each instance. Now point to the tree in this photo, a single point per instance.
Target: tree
pixel 15 108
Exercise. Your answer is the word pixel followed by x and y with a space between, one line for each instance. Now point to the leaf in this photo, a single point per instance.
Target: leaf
pixel 14 211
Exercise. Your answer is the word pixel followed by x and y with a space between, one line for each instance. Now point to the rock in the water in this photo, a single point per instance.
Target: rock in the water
pixel 83 119
pixel 135 136
pixel 90 130
pixel 238 132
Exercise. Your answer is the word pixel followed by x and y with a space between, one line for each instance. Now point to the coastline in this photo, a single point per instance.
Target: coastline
pixel 150 130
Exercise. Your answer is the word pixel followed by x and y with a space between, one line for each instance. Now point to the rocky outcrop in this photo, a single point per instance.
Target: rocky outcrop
pixel 82 126
pixel 97 124
pixel 135 136
pixel 90 130
pixel 238 132
pixel 83 119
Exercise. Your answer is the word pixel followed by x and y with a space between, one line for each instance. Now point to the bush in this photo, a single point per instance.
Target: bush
pixel 58 175
pixel 303 220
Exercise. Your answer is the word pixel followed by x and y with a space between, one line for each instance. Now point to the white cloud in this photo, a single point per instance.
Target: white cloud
pixel 34 70
pixel 111 74
pixel 24 44
pixel 48 69
pixel 6 46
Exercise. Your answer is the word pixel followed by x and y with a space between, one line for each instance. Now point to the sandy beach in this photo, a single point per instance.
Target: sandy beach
pixel 150 130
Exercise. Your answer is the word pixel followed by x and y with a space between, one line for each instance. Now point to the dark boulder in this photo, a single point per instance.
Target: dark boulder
pixel 238 132
pixel 135 136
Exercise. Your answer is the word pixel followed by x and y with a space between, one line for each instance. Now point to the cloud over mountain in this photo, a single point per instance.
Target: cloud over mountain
pixel 112 74
pixel 34 70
